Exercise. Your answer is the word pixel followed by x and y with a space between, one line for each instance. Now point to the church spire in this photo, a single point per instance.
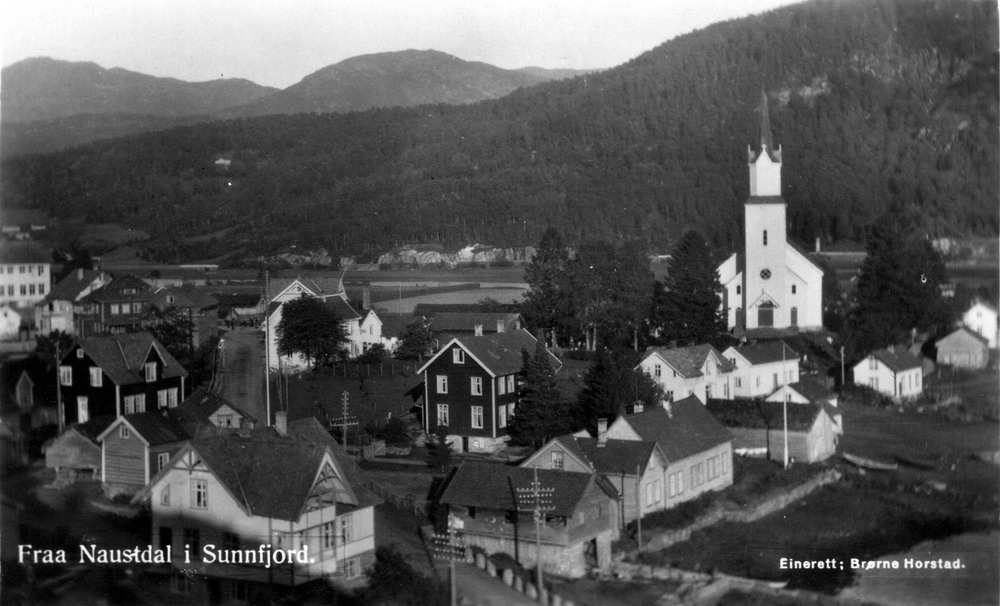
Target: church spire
pixel 765 138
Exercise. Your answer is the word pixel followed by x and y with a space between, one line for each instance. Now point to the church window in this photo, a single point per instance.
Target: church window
pixel 765 237
pixel 793 289
pixel 739 290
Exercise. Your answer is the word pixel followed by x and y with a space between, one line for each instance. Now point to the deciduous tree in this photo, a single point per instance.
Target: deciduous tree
pixel 311 328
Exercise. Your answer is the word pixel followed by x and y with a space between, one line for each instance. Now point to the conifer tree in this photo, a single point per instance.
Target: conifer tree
pixel 687 306
pixel 545 306
pixel 542 413
pixel 612 385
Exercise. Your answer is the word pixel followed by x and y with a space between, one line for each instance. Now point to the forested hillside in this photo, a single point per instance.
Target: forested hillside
pixel 877 104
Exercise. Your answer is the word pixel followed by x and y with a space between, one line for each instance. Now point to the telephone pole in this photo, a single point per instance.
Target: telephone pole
pixel 539 500
pixel 450 547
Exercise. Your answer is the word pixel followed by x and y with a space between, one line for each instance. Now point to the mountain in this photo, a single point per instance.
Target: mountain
pixel 46 89
pixel 878 105
pixel 556 74
pixel 396 79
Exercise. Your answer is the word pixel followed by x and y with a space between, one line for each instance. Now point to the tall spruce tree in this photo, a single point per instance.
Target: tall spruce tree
pixel 546 304
pixel 542 413
pixel 899 286
pixel 687 305
pixel 612 385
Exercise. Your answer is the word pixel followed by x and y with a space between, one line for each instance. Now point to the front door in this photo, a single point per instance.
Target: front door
pixel 795 316
pixel 765 314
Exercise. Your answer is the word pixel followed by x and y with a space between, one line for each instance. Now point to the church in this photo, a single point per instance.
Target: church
pixel 771 284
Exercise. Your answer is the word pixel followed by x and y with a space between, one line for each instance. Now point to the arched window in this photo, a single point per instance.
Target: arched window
pixel 765 237
pixel 739 289
pixel 793 289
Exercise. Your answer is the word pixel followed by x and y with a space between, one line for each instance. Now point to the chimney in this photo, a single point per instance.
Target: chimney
pixel 602 432
pixel 478 330
pixel 637 407
pixel 891 348
pixel 281 422
pixel 79 273
pixel 667 406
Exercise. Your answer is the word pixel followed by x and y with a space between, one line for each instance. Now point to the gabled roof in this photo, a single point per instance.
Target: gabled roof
pixel 687 361
pixel 394 325
pixel 114 290
pixel 24 251
pixel 121 357
pixel 70 287
pixel 93 428
pixel 342 308
pixel 187 296
pixel 154 427
pixel 811 390
pixel 311 430
pixel 498 353
pixel 897 358
pixel 467 322
pixel 202 404
pixel 762 414
pixel 685 430
pixel 957 333
pixel 985 304
pixel 767 352
pixel 614 458
pixel 317 286
pixel 494 486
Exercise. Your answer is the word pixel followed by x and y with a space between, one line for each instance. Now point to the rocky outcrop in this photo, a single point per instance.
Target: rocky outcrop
pixel 472 254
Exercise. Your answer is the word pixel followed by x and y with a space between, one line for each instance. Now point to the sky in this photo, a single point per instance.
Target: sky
pixel 278 42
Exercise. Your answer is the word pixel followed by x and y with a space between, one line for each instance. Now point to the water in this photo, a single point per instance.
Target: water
pixel 978 582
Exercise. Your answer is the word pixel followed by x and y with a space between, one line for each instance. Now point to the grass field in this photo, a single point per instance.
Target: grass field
pixel 468 297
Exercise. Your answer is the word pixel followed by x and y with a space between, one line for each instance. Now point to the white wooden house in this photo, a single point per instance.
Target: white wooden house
pixel 699 371
pixel 761 368
pixel 893 371
pixel 982 319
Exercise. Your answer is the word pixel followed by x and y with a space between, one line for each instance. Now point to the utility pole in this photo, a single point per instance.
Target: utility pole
pixel 451 547
pixel 539 499
pixel 842 367
pixel 344 420
pixel 267 347
pixel 638 504
pixel 785 403
pixel 59 403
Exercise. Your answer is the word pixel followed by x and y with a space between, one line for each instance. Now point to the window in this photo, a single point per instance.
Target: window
pixel 502 419
pixel 873 382
pixel 161 460
pixel 329 536
pixel 140 402
pixel 165 496
pixel 20 269
pixel 225 420
pixel 724 463
pixel 172 397
pixel 758 381
pixel 458 356
pixel 352 568
pixel 66 375
pixel 192 539
pixel 96 377
pixel 649 494
pixel 116 309
pixel 31 289
pixel 82 409
pixel 711 469
pixel 581 518
pixel 346 528
pixel 557 459
pixel 123 431
pixel 41 289
pixel 478 330
pixel 739 289
pixel 199 494
pixel 510 411
pixel 510 383
pixel 765 237
pixel 41 270
pixel 129 405
pixel 477 417
pixel 150 371
pixel 442 414
pixel 872 363
pixel 793 289
pixel 442 383
pixel 79 354
pixel 23 290
pixel 502 385
pixel 657 491
pixel 657 370
pixel 670 395
pixel 161 398
pixel 476 384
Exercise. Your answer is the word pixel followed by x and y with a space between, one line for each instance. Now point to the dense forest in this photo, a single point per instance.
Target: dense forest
pixel 877 105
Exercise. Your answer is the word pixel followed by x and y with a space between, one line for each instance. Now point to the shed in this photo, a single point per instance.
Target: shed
pixel 963 348
pixel 759 424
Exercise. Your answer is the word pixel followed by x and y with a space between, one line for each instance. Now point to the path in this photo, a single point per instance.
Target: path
pixel 242 371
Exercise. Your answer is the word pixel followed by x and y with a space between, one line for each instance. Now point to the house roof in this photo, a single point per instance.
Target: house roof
pixel 494 486
pixel 155 427
pixel 467 322
pixel 318 286
pixel 499 353
pixel 687 361
pixel 121 357
pixel 310 429
pixel 24 251
pixel 93 428
pixel 114 290
pixel 615 457
pixel 766 352
pixel 188 295
pixel 985 304
pixel 897 358
pixel 342 308
pixel 200 405
pixel 394 326
pixel 762 414
pixel 956 334
pixel 812 390
pixel 70 287
pixel 685 430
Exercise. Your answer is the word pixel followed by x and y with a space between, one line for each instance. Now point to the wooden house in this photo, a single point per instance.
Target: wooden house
pixel 199 307
pixel 637 469
pixel 698 371
pixel 758 428
pixel 119 375
pixel 698 449
pixel 75 453
pixel 287 487
pixel 809 391
pixel 761 368
pixel 447 325
pixel 470 387
pixel 489 506
pixel 984 320
pixel 55 311
pixel 892 371
pixel 116 307
pixel 963 348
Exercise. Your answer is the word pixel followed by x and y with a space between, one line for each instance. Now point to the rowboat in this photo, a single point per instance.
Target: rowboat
pixel 870 463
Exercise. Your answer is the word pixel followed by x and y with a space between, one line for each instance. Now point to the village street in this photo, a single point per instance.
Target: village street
pixel 241 368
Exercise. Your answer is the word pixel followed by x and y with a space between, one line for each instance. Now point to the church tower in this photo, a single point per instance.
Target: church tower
pixel 764 212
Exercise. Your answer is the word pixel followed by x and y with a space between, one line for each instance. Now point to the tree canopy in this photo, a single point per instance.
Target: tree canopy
pixel 311 328
pixel 687 306
pixel 613 385
pixel 545 305
pixel 416 342
pixel 542 412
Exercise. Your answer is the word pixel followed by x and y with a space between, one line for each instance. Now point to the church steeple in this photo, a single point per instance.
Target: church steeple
pixel 765 160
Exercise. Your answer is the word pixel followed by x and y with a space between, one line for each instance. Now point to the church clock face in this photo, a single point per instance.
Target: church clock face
pixel 765 274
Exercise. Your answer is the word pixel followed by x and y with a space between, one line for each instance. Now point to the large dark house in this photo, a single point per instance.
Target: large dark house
pixel 115 308
pixel 471 386
pixel 119 375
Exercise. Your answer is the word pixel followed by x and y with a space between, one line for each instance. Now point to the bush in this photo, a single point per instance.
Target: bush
pixel 396 432
pixel 865 396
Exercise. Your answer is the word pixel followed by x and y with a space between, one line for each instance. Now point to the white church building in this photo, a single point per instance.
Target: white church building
pixel 771 284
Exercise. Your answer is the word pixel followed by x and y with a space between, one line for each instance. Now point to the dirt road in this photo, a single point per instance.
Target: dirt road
pixel 241 380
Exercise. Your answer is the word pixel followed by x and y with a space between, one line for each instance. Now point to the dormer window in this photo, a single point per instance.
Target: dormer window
pixel 150 372
pixel 478 330
pixel 79 354
pixel 458 355
pixel 123 431
pixel 500 326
